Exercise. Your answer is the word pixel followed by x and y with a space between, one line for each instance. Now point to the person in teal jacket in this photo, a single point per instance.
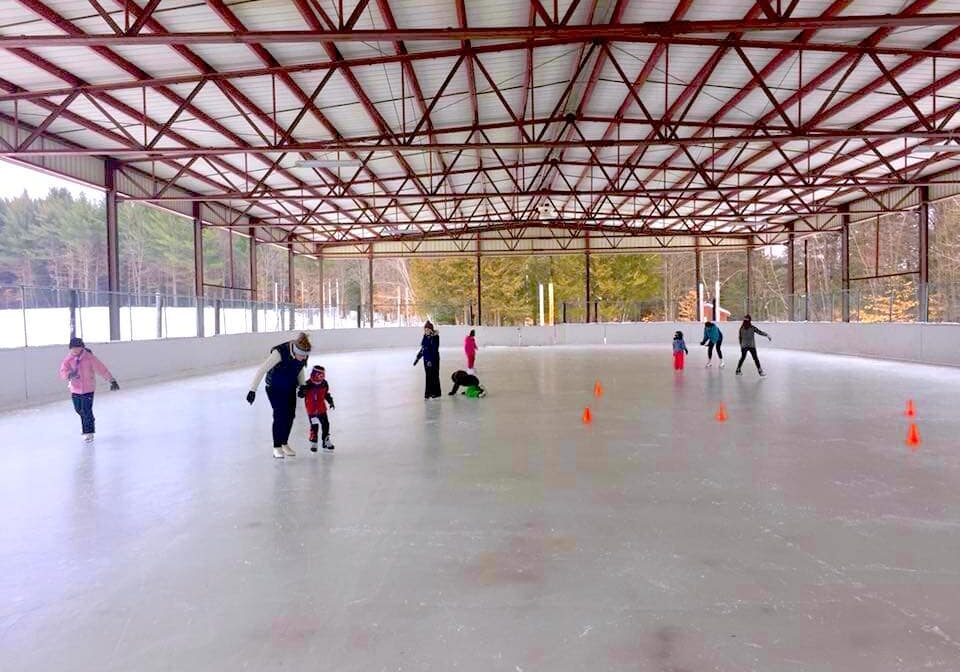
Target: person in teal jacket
pixel 712 338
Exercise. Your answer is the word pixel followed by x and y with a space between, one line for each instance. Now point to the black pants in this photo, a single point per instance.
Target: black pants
pixel 432 374
pixel 324 428
pixel 284 403
pixel 710 347
pixel 83 405
pixel 743 356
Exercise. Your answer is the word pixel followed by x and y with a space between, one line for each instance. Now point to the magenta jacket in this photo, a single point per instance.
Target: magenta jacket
pixel 470 346
pixel 86 365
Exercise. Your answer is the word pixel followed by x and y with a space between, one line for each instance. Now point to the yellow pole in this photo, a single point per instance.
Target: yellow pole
pixel 550 295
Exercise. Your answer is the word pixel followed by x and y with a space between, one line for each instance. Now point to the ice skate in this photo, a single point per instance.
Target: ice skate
pixel 288 451
pixel 313 446
pixel 722 364
pixel 709 364
pixel 278 453
pixel 739 372
pixel 327 444
pixel 762 374
pixel 88 438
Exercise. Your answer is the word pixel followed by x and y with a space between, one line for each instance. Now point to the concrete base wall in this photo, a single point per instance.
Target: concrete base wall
pixel 29 375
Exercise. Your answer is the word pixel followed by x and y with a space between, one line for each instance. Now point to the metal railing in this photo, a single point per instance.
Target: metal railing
pixel 33 316
pixel 936 302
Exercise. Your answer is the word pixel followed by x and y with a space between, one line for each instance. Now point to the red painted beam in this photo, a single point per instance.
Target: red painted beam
pixel 939 54
pixel 653 29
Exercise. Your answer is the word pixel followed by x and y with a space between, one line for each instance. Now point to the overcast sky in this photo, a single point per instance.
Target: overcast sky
pixel 14 179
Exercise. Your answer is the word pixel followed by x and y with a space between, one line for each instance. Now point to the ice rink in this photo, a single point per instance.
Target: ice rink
pixel 494 534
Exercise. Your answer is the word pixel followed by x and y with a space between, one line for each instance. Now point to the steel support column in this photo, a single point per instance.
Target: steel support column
pixel 845 261
pixel 370 284
pixel 586 261
pixel 479 287
pixel 323 292
pixel 198 266
pixel 791 275
pixel 291 280
pixel 749 307
pixel 253 279
pixel 113 247
pixel 698 280
pixel 924 286
pixel 806 282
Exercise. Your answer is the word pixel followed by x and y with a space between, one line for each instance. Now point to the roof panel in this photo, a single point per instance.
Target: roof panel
pixel 215 121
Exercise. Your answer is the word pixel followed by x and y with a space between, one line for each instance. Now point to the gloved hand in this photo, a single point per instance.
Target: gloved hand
pixel 73 375
pixel 251 395
pixel 770 338
pixel 332 406
pixel 114 386
pixel 302 391
pixel 416 362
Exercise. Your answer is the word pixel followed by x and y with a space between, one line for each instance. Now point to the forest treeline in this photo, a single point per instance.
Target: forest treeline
pixel 59 241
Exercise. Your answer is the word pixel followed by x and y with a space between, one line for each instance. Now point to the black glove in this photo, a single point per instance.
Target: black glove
pixel 114 386
pixel 769 338
pixel 302 391
pixel 332 406
pixel 251 395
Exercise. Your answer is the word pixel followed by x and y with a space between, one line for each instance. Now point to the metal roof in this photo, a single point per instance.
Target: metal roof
pixel 608 124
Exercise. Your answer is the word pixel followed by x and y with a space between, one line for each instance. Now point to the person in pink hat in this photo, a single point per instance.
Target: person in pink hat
pixel 80 368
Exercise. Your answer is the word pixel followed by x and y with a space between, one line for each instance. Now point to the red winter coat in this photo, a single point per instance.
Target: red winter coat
pixel 316 397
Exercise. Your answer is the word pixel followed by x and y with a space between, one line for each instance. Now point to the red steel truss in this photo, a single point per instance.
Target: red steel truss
pixel 746 124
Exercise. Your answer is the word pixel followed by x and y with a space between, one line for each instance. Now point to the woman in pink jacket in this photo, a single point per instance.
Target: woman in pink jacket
pixel 79 369
pixel 470 348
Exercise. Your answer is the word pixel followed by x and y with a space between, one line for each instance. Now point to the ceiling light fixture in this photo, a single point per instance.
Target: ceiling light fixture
pixel 936 148
pixel 327 163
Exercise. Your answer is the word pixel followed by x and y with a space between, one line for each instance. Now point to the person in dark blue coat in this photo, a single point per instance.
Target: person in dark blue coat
pixel 284 372
pixel 430 354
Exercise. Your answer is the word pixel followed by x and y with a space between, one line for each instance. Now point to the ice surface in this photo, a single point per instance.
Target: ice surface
pixel 497 533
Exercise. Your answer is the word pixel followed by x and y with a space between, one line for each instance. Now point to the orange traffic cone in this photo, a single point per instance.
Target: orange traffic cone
pixel 721 415
pixel 913 436
pixel 597 389
pixel 911 412
pixel 587 416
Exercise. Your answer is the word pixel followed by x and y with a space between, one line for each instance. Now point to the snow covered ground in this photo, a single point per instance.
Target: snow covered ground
pixel 51 326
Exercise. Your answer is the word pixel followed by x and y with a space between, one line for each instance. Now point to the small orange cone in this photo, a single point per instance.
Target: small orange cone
pixel 721 415
pixel 911 412
pixel 587 416
pixel 597 389
pixel 913 436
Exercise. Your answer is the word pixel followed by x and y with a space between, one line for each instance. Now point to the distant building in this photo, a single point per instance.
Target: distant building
pixel 707 310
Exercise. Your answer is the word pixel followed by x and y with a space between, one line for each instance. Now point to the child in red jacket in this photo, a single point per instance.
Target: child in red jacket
pixel 316 395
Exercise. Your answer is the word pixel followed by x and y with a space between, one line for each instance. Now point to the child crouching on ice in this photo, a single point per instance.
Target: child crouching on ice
pixel 469 381
pixel 679 350
pixel 316 396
